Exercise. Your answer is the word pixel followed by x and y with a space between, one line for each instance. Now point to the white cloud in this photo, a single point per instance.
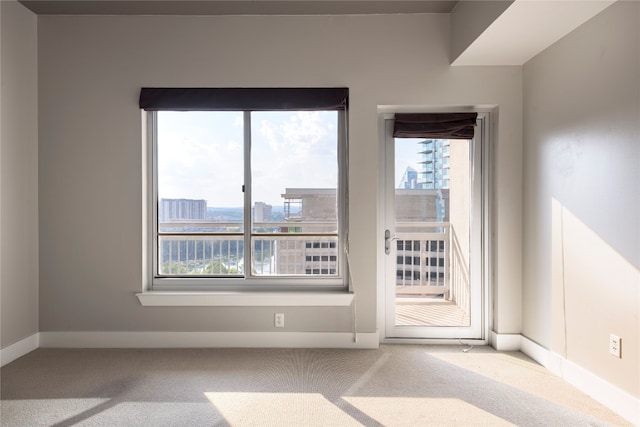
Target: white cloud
pixel 295 150
pixel 201 155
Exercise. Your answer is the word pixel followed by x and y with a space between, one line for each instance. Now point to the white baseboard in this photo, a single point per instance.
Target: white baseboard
pixel 505 342
pixel 619 401
pixel 19 349
pixel 537 353
pixel 208 340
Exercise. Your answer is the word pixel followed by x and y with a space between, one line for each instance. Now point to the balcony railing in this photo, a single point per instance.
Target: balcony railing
pixel 422 259
pixel 429 262
pixel 216 249
pixel 460 282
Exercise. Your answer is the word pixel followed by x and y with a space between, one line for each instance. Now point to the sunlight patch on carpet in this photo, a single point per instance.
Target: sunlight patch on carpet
pixel 421 411
pixel 279 409
pixel 522 373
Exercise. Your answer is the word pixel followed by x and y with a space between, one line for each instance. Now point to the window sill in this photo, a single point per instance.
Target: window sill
pixel 245 299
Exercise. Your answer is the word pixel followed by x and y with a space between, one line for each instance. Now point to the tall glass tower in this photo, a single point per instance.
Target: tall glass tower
pixel 434 175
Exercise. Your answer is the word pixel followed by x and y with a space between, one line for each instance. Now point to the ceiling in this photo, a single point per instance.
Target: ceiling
pixel 516 32
pixel 234 7
pixel 526 28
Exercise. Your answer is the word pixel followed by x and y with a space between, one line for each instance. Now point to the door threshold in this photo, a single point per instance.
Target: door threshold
pixel 438 341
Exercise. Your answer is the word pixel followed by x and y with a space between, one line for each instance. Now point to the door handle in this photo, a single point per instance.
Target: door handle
pixel 387 241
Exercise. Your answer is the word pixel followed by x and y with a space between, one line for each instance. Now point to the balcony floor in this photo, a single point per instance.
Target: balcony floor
pixel 429 311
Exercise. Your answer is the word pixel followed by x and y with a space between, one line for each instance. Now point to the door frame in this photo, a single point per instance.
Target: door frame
pixel 489 116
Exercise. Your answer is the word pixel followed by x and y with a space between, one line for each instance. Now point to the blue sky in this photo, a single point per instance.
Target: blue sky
pixel 406 154
pixel 200 154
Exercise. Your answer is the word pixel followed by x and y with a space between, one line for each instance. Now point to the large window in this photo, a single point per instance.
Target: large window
pixel 247 193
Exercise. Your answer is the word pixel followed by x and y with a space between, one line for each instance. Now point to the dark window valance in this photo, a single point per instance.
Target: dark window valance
pixel 235 99
pixel 435 125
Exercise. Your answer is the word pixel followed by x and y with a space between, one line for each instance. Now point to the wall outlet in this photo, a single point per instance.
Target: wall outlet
pixel 615 346
pixel 279 320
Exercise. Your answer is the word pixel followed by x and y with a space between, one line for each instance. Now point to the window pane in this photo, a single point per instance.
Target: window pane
pixel 284 255
pixel 200 178
pixel 200 195
pixel 422 172
pixel 294 165
pixel 295 169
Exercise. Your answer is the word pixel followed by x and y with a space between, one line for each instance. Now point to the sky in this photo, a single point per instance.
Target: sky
pixel 200 154
pixel 406 154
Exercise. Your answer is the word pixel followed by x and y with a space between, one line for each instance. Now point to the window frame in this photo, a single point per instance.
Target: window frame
pixel 248 282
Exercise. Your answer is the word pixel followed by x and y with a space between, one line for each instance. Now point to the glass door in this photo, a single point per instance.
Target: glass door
pixel 434 221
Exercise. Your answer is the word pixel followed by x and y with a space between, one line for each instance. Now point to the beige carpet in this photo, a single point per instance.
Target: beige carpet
pixel 403 385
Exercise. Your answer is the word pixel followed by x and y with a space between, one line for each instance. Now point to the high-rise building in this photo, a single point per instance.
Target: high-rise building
pixel 181 209
pixel 262 212
pixel 435 161
pixel 434 158
pixel 409 179
pixel 309 210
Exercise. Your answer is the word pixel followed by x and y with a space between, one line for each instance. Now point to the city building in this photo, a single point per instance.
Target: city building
pixel 182 209
pixel 310 204
pixel 262 212
pixel 434 175
pixel 409 179
pixel 309 210
pixel 434 159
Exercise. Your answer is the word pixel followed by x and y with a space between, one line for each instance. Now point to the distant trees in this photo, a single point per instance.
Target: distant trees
pixel 209 257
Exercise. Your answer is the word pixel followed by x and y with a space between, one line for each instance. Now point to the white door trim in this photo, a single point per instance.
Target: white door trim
pixel 488 113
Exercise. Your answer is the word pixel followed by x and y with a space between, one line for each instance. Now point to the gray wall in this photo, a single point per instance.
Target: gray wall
pixel 582 195
pixel 90 73
pixel 469 19
pixel 18 174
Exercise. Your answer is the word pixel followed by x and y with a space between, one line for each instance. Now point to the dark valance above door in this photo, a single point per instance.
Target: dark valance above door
pixel 435 125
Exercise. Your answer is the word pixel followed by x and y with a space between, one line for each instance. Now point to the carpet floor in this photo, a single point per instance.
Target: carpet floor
pixel 395 385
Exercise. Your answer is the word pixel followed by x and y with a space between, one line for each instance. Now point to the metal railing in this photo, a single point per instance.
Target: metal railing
pixel 202 254
pixel 216 249
pixel 429 262
pixel 422 259
pixel 460 283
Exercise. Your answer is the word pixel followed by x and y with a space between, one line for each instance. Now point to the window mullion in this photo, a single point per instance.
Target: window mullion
pixel 343 195
pixel 152 202
pixel 248 225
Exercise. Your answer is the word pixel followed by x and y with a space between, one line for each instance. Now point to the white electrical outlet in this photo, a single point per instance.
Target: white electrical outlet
pixel 615 346
pixel 279 320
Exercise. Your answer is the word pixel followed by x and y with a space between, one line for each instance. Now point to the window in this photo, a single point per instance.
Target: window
pixel 247 188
